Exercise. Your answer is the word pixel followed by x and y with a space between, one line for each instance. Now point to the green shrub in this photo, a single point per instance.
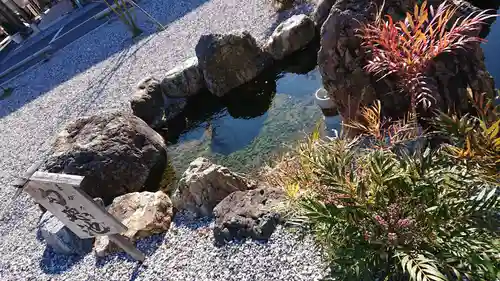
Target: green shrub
pixel 388 205
pixel 474 140
pixel 393 215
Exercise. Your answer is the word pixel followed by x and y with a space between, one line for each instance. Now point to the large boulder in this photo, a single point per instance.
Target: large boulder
pixel 204 184
pixel 144 214
pixel 229 60
pixel 340 58
pixel 248 214
pixel 184 80
pixel 290 36
pixel 116 152
pixel 60 238
pixel 151 104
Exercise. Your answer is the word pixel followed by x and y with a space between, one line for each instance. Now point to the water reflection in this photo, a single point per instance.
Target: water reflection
pixel 240 125
pixel 491 48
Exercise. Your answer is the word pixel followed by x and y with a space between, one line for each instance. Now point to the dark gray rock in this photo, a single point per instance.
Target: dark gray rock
pixel 340 58
pixel 248 214
pixel 61 239
pixel 290 36
pixel 151 104
pixel 185 80
pixel 321 12
pixel 117 152
pixel 229 60
pixel 148 102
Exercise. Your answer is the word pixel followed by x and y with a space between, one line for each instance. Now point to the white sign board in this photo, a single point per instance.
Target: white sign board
pixel 60 194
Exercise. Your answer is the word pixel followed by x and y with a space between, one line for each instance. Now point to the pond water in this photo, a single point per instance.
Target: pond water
pixel 248 126
pixel 491 49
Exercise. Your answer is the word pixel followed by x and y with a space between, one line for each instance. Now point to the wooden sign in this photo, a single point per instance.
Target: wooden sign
pixel 60 195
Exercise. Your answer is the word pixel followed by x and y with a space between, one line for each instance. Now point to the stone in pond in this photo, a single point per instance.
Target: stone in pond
pixel 248 214
pixel 229 60
pixel 147 102
pixel 290 36
pixel 184 80
pixel 151 104
pixel 61 239
pixel 144 214
pixel 204 184
pixel 116 152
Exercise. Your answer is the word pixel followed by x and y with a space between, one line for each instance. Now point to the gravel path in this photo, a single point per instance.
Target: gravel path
pixel 98 71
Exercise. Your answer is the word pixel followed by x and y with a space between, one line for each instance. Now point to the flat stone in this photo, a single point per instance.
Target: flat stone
pixel 61 239
pixel 248 214
pixel 184 80
pixel 290 36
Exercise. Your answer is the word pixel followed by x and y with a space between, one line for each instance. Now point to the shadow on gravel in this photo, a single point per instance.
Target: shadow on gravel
pixel 190 221
pixel 166 13
pixel 147 246
pixel 54 263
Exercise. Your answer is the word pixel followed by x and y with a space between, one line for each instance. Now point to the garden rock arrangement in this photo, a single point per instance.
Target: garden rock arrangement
pixel 144 214
pixel 248 214
pixel 290 36
pixel 117 153
pixel 223 62
pixel 97 78
pixel 204 184
pixel 229 60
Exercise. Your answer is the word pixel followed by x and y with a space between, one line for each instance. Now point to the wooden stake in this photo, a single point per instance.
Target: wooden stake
pixel 127 246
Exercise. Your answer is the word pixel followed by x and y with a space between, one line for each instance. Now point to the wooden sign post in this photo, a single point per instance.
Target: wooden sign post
pixel 61 195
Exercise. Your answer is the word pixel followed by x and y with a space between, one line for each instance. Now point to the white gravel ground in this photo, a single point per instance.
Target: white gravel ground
pixel 97 72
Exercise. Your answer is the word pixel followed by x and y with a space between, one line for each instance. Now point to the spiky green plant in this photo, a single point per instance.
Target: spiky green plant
pixel 398 216
pixel 474 140
pixel 384 212
pixel 408 47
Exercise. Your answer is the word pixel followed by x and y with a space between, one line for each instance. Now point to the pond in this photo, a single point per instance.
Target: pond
pixel 248 126
pixel 491 48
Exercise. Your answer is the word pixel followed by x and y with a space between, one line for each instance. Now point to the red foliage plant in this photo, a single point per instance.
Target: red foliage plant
pixel 406 48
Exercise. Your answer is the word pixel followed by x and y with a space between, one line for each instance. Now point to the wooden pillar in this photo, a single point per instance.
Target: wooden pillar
pixel 35 6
